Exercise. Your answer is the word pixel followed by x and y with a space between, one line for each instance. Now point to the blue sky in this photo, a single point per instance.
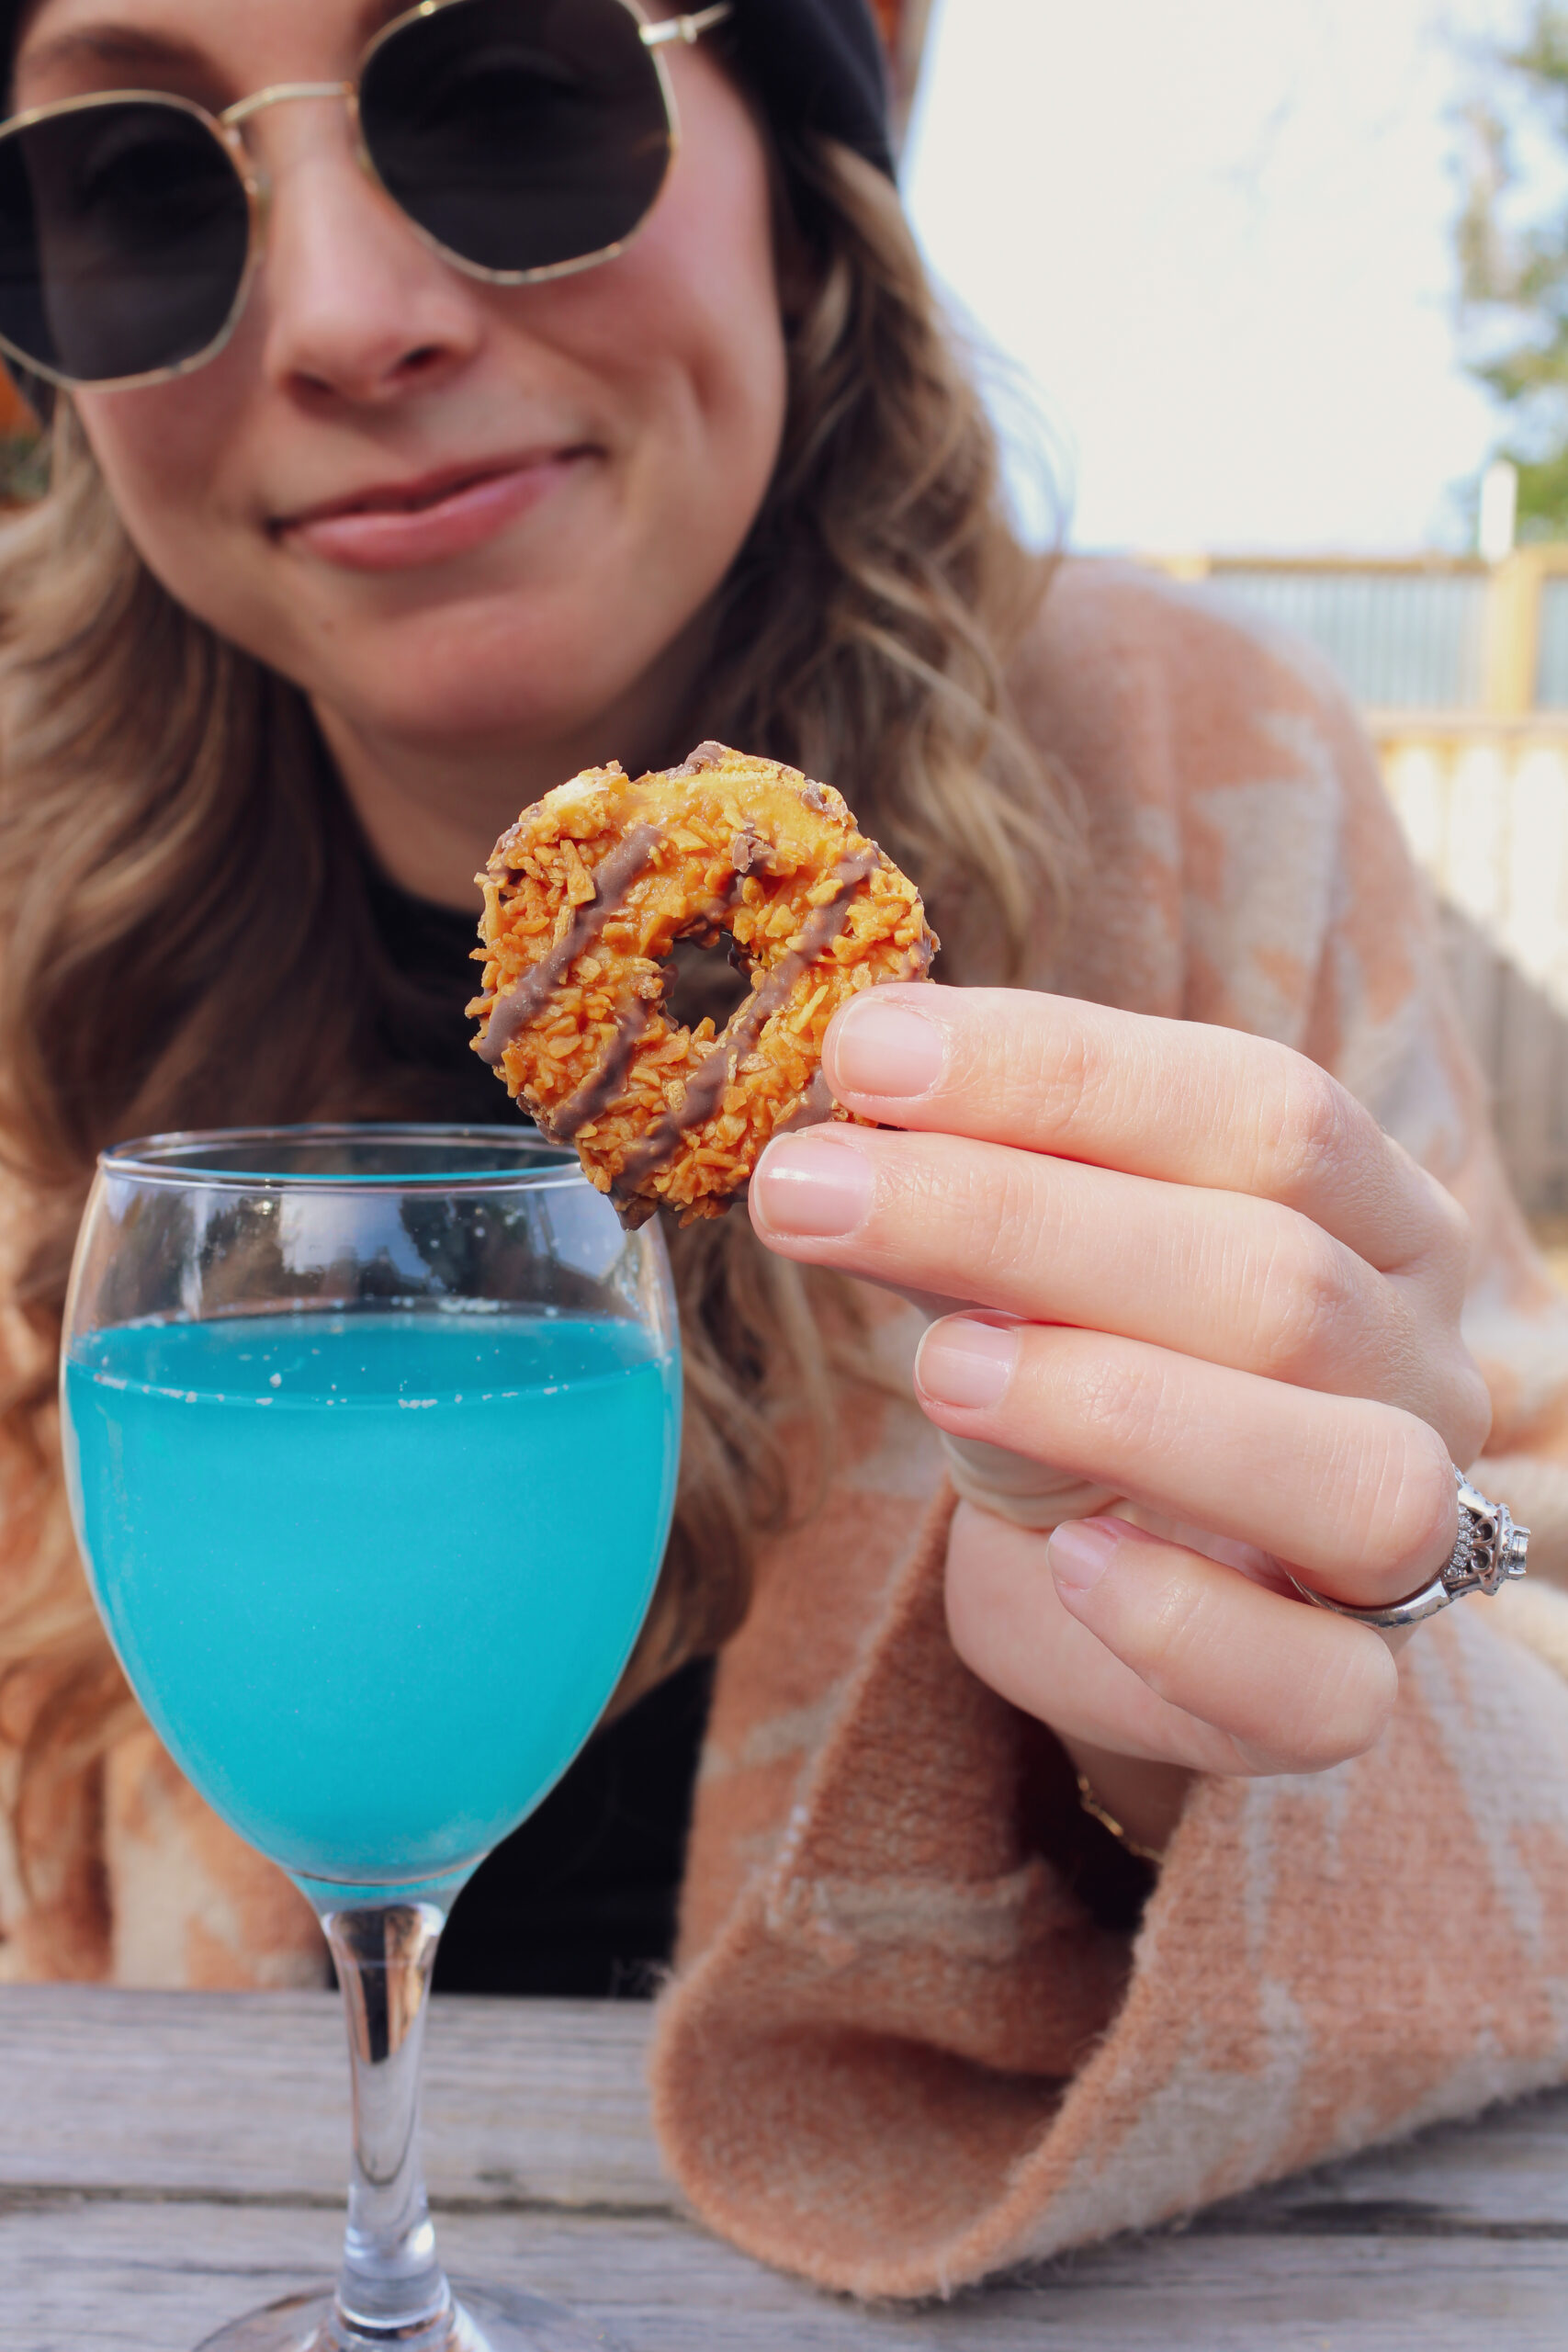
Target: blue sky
pixel 1215 238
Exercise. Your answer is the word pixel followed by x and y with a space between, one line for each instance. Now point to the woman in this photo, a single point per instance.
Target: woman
pixel 377 547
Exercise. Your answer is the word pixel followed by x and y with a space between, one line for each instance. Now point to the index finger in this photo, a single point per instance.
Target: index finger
pixel 1176 1100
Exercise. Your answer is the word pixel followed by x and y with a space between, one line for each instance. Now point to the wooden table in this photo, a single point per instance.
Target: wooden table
pixel 169 2160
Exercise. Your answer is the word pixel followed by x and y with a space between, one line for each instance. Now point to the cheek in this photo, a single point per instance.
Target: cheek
pixel 689 319
pixel 168 454
pixel 711 381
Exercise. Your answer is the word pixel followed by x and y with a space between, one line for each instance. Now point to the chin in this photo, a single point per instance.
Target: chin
pixel 463 705
pixel 461 676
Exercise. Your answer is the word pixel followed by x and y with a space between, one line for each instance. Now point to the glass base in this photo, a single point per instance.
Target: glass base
pixel 486 2319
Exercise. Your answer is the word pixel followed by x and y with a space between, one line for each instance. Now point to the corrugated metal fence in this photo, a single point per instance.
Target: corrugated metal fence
pixel 1401 640
pixel 1552 666
pixel 1486 810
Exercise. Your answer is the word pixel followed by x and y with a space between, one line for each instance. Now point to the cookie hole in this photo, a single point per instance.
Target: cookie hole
pixel 706 983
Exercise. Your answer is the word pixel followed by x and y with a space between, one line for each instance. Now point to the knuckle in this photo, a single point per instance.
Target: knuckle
pixel 1467 1418
pixel 1335 1738
pixel 1004 1219
pixel 1311 1125
pixel 1309 1303
pixel 1348 1719
pixel 1118 1405
pixel 1452 1235
pixel 1334 1702
pixel 1412 1513
pixel 914 1192
pixel 1349 1699
pixel 1438 1235
pixel 1055 1071
pixel 1175 1637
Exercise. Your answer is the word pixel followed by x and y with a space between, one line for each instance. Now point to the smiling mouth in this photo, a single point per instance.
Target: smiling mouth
pixel 434 490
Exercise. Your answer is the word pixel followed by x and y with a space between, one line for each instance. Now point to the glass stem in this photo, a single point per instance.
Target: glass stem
pixel 392 2288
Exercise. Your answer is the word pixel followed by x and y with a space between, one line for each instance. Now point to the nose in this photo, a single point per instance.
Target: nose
pixel 355 306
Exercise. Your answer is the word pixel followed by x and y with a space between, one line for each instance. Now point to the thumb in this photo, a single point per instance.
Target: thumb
pixel 1030 1494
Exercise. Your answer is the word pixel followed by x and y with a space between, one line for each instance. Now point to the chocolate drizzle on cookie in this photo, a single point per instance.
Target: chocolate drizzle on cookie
pixel 607 1081
pixel 612 880
pixel 706 1087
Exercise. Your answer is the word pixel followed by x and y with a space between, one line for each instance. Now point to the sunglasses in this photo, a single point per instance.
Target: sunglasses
pixel 522 139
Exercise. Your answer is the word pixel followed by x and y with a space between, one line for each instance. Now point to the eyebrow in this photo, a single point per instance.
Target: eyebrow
pixel 132 48
pixel 113 45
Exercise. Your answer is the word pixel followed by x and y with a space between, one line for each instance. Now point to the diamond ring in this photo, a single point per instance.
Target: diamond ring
pixel 1488 1554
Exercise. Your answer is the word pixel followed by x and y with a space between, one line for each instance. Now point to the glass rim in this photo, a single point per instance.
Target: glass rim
pixel 173 1158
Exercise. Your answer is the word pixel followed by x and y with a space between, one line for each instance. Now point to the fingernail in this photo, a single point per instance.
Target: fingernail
pixel 966 1364
pixel 813 1189
pixel 886 1049
pixel 1080 1551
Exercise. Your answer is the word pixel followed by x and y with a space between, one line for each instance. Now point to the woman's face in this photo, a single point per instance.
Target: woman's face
pixel 462 517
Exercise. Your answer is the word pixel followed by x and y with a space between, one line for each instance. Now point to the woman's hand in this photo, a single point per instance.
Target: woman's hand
pixel 1236 1308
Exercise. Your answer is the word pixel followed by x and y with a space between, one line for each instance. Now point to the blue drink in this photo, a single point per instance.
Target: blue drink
pixel 371 1435
pixel 374 1575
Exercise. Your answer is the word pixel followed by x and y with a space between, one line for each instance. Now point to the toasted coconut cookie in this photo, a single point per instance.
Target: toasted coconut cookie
pixel 585 899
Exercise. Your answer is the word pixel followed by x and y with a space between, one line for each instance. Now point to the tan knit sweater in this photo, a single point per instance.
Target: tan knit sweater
pixel 898 2052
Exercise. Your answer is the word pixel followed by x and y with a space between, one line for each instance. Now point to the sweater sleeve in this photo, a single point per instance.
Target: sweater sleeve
pixel 899 2054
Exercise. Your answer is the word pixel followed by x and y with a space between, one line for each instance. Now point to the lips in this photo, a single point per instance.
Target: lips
pixel 394 527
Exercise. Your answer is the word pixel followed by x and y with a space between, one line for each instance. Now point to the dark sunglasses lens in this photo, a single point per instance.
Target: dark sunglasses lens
pixel 124 232
pixel 518 133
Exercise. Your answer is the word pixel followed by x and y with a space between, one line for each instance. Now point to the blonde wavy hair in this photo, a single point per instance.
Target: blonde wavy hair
pixel 168 822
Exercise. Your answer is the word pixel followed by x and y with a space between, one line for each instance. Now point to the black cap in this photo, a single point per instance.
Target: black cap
pixel 816 64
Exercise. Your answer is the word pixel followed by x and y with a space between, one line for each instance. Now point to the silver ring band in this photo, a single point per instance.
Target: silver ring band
pixel 1488 1554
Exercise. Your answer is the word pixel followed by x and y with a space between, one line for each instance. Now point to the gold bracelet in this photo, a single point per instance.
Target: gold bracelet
pixel 1097 1812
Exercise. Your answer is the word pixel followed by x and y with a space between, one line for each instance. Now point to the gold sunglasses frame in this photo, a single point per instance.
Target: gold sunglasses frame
pixel 227 130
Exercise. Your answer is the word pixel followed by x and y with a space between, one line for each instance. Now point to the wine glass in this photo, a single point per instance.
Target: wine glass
pixel 371 1437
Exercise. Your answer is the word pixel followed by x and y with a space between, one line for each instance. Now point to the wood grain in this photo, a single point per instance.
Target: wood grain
pixel 247 2095
pixel 169 2160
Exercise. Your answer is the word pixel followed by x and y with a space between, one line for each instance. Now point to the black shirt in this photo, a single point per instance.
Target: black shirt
pixel 580 1899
